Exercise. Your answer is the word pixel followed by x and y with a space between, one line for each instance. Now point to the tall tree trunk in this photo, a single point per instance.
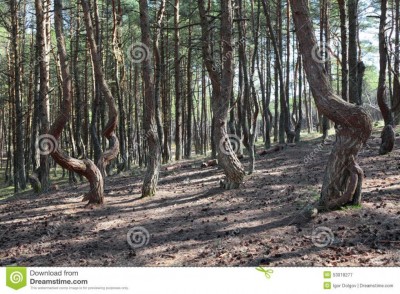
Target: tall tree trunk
pixel 43 97
pixel 166 105
pixel 254 107
pixel 109 130
pixel 79 109
pixel 387 134
pixel 96 105
pixel 19 130
pixel 353 51
pixel 245 89
pixel 396 69
pixel 343 42
pixel 285 119
pixel 300 110
pixel 343 176
pixel 178 98
pixel 150 126
pixel 159 69
pixel 222 91
pixel 189 118
pixel 120 79
pixel 265 94
pixel 84 167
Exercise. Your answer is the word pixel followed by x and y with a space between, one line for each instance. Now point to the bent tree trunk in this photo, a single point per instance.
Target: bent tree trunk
pixel 150 126
pixel 42 103
pixel 84 167
pixel 343 176
pixel 222 91
pixel 387 135
pixel 109 129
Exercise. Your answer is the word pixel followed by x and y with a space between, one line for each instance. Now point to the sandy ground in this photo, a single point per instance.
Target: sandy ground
pixel 193 222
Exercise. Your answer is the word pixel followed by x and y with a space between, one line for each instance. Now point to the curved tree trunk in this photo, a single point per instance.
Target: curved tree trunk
pixel 222 91
pixel 150 126
pixel 84 167
pixel 254 104
pixel 343 176
pixel 120 80
pixel 109 129
pixel 387 135
pixel 249 112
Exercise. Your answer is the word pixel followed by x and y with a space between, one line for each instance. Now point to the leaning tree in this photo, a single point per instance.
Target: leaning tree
pixel 343 176
pixel 222 83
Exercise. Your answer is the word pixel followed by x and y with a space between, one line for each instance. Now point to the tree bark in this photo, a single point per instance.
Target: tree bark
pixel 84 167
pixel 396 68
pixel 159 69
pixel 285 120
pixel 343 176
pixel 353 52
pixel 43 98
pixel 387 135
pixel 153 162
pixel 222 91
pixel 178 96
pixel 189 87
pixel 19 168
pixel 109 129
pixel 343 42
pixel 120 80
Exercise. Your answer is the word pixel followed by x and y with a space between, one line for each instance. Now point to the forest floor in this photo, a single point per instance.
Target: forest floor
pixel 193 222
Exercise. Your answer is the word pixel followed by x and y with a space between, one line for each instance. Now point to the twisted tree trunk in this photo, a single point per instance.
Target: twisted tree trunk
pixel 120 80
pixel 84 167
pixel 343 176
pixel 109 129
pixel 150 126
pixel 387 135
pixel 222 91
